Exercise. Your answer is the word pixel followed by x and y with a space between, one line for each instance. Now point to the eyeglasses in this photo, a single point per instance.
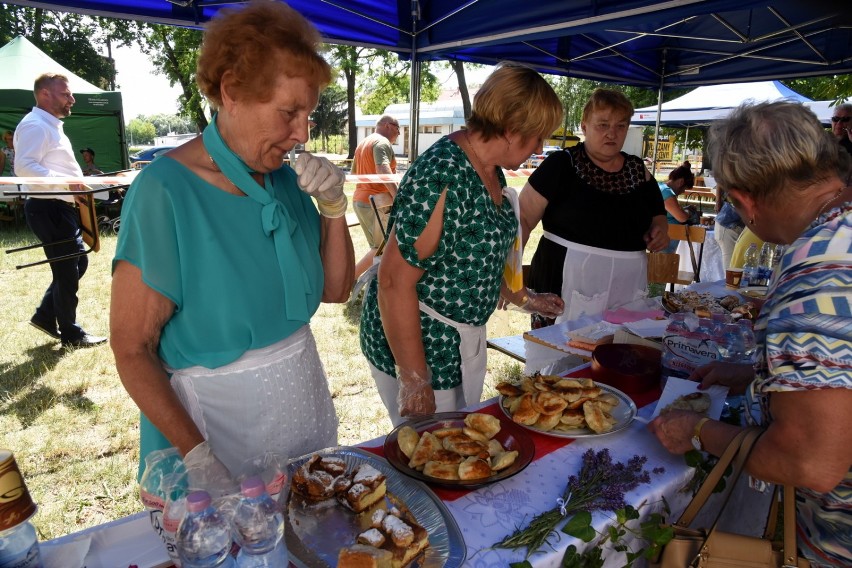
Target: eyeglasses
pixel 841 119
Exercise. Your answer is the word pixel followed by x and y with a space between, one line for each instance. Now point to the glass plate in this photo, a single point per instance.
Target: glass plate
pixel 315 533
pixel 510 437
pixel 624 414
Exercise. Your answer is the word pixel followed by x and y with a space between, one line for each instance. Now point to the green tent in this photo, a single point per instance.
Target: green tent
pixel 96 119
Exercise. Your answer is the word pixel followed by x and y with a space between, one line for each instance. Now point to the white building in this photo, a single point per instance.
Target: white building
pixel 437 119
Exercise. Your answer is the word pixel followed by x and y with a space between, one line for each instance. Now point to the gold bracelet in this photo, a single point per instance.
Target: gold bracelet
pixel 524 300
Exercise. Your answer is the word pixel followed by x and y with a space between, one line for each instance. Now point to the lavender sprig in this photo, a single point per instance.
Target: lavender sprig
pixel 600 486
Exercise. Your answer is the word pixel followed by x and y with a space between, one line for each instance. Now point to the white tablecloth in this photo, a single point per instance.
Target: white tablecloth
pixel 712 265
pixel 485 515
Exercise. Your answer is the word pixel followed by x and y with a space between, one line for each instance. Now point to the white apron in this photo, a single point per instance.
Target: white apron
pixel 472 350
pixel 272 399
pixel 595 279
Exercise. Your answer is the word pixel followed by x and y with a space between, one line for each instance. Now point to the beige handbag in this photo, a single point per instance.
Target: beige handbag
pixel 700 548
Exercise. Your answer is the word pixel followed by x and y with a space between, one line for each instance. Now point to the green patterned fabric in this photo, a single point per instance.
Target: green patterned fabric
pixel 462 279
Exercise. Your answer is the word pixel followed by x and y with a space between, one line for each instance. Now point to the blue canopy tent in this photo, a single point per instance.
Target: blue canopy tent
pixel 653 43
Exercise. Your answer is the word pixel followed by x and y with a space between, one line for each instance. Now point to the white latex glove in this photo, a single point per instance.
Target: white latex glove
pixel 416 397
pixel 323 181
pixel 207 472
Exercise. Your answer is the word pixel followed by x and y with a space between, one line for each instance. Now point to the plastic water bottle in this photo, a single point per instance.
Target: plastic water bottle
pixel 749 342
pixel 764 264
pixel 174 509
pixel 750 270
pixel 19 547
pixel 259 527
pixel 154 488
pixel 204 536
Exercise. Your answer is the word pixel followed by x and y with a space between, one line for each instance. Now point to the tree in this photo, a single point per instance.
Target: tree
pixel 330 114
pixel 70 39
pixel 458 68
pixel 382 69
pixel 174 53
pixel 833 87
pixel 170 124
pixel 141 132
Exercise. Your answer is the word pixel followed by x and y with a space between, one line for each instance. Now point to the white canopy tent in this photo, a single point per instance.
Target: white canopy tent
pixel 703 105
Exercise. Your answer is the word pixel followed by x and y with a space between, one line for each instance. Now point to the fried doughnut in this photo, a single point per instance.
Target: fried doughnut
pixel 548 403
pixel 503 460
pixel 474 468
pixel 525 413
pixel 463 445
pixel 442 470
pixel 485 423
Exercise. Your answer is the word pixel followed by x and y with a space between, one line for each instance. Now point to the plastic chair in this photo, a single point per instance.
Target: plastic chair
pixel 88 227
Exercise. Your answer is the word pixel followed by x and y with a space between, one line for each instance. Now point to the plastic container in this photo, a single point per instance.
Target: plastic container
pixel 19 547
pixel 259 527
pixel 204 536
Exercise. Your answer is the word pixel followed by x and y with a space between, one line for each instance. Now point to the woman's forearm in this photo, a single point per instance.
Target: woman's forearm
pixel 400 314
pixel 338 259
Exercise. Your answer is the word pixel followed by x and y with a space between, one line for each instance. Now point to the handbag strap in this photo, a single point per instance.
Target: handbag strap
pixel 743 440
pixel 739 449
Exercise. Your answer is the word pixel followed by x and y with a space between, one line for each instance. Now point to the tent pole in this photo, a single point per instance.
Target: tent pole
pixel 659 113
pixel 686 141
pixel 414 91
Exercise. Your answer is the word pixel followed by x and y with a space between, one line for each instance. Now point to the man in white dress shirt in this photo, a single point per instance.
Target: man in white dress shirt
pixel 43 150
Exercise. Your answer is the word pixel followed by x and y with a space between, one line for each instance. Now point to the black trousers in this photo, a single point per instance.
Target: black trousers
pixel 54 220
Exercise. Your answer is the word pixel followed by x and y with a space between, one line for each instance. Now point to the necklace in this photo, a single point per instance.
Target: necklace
pixel 825 205
pixel 218 169
pixel 478 159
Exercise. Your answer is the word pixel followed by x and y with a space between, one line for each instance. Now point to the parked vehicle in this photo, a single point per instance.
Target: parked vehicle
pixel 536 159
pixel 149 154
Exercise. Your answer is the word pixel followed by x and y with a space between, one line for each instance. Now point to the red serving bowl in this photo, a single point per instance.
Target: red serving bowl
pixel 629 368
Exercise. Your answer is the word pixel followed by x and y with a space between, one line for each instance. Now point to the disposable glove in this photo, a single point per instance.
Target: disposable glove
pixel 323 181
pixel 416 397
pixel 207 472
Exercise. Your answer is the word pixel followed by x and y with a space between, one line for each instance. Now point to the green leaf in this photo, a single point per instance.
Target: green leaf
pixel 524 564
pixel 578 522
pixel 630 513
pixel 693 458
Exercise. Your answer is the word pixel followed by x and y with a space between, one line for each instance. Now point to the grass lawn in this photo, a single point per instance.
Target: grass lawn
pixel 73 429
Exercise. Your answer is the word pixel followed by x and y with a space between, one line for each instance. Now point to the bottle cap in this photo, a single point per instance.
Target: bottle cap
pixel 16 505
pixel 197 501
pixel 253 486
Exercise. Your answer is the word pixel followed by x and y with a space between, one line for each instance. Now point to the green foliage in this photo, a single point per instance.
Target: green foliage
pixel 703 465
pixel 833 87
pixel 169 124
pixel 653 534
pixel 330 114
pixel 174 52
pixel 390 83
pixel 71 39
pixel 140 131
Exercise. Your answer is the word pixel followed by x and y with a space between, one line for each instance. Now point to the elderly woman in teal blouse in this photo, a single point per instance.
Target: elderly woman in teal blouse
pixel 223 258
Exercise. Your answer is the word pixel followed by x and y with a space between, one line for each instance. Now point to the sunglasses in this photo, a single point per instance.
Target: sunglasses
pixel 841 119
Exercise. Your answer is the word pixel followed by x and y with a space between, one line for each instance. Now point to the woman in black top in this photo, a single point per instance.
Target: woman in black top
pixel 601 209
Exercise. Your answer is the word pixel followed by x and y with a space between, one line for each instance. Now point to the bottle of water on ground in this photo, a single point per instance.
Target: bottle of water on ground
pixel 204 536
pixel 259 527
pixel 750 271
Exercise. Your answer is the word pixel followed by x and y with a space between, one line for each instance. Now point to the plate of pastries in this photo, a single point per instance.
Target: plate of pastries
pixel 705 305
pixel 459 449
pixel 350 508
pixel 566 407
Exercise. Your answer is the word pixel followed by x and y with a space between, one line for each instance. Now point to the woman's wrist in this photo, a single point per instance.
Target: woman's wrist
pixel 524 299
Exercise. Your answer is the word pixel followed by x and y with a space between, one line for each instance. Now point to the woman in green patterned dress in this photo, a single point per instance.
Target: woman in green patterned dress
pixel 452 225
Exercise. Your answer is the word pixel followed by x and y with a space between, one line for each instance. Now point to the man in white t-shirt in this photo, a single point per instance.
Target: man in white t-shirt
pixel 43 150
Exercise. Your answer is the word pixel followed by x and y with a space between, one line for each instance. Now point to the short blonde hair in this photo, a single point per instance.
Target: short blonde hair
pixel 608 99
pixel 255 43
pixel 770 149
pixel 46 79
pixel 515 98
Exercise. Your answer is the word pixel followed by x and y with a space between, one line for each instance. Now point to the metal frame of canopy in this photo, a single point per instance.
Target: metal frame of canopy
pixel 658 44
